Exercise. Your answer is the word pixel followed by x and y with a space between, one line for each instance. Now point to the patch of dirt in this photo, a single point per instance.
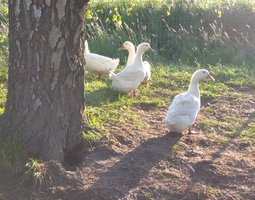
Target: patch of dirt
pixel 146 162
pixel 11 188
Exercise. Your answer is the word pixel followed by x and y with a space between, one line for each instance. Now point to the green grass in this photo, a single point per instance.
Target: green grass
pixel 12 155
pixel 249 132
pixel 3 35
pixel 36 170
pixel 228 121
pixel 105 107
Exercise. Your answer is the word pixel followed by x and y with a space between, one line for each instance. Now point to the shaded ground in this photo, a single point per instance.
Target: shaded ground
pixel 145 162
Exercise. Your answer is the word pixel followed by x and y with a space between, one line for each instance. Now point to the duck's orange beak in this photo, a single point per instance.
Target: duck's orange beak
pixel 210 77
pixel 152 50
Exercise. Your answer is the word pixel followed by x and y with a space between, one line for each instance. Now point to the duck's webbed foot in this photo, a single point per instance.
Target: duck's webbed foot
pixel 99 76
pixel 134 93
pixel 189 132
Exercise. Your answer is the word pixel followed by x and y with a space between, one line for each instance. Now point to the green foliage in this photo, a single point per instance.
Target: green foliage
pixel 105 107
pixel 3 10
pixel 235 76
pixel 208 32
pixel 178 148
pixel 3 42
pixel 249 132
pixel 37 170
pixel 3 88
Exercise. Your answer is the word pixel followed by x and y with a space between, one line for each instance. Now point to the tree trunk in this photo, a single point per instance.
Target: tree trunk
pixel 45 101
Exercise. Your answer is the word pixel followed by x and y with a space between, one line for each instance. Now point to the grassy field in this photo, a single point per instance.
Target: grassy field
pixel 105 108
pixel 186 36
pixel 171 67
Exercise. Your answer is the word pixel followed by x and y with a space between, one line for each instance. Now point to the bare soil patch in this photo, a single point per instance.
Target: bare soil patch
pixel 146 162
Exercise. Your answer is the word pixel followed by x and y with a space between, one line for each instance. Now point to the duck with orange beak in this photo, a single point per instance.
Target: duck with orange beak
pixel 183 111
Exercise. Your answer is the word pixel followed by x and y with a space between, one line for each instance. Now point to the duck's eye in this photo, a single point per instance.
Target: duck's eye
pixel 204 72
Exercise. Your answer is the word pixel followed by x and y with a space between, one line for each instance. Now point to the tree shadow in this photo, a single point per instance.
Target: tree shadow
pixel 130 169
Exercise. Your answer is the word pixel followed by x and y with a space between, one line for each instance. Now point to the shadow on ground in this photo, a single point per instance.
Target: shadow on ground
pixel 131 168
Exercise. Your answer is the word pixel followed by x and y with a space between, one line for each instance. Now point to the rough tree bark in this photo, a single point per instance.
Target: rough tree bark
pixel 45 101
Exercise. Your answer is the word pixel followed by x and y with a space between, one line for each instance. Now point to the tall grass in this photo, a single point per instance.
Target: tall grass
pixel 3 33
pixel 3 52
pixel 206 32
pixel 12 155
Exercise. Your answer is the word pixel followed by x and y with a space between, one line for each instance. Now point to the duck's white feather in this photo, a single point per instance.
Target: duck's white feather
pixel 130 47
pixel 131 76
pixel 128 81
pixel 98 63
pixel 183 111
pixel 147 68
pixel 131 58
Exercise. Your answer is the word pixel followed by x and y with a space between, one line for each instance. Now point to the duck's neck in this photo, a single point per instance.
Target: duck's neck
pixel 139 58
pixel 86 47
pixel 194 87
pixel 131 56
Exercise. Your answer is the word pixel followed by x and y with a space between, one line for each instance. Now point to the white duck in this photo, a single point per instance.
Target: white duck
pixel 184 109
pixel 131 77
pixel 130 47
pixel 99 64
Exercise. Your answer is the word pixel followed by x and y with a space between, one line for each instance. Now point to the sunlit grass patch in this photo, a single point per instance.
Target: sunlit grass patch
pixel 211 90
pixel 177 148
pixel 35 169
pixel 105 107
pixel 235 76
pixel 208 123
pixel 218 138
pixel 217 126
pixel 249 132
pixel 3 93
pixel 93 135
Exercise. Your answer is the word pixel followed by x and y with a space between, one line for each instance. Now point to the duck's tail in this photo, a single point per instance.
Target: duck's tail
pixel 115 64
pixel 147 67
pixel 112 75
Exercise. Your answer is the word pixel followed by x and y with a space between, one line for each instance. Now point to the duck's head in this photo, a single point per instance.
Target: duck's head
pixel 202 74
pixel 143 47
pixel 127 46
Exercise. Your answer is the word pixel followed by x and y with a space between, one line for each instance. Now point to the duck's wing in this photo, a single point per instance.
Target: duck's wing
pixel 147 68
pixel 131 75
pixel 183 104
pixel 113 64
pixel 100 63
pixel 99 58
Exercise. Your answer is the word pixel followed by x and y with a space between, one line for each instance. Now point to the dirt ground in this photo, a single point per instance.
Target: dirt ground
pixel 146 162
